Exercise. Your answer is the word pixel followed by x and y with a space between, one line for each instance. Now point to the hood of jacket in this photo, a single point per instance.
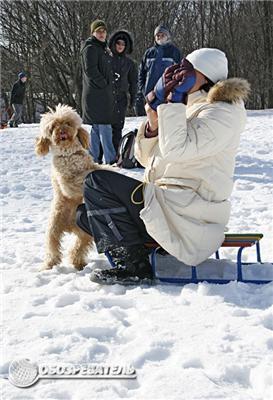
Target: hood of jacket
pixel 124 35
pixel 233 90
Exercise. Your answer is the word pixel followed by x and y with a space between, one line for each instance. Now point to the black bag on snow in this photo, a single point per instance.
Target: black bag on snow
pixel 126 157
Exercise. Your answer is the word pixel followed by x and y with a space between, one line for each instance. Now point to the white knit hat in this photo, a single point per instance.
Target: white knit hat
pixel 211 62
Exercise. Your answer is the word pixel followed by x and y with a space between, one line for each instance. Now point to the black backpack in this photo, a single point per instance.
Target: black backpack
pixel 126 157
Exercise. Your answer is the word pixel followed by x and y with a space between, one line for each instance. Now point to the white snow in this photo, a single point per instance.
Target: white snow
pixel 187 342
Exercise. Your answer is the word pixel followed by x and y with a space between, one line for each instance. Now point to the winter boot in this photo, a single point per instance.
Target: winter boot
pixel 132 267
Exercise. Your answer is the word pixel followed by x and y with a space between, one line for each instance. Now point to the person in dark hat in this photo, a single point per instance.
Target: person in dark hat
pixel 156 59
pixel 98 92
pixel 125 76
pixel 16 99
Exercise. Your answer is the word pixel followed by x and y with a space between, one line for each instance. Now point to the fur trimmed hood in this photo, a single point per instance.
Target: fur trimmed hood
pixel 231 90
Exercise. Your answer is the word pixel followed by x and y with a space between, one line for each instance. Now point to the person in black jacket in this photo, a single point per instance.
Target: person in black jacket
pixel 125 76
pixel 156 59
pixel 16 99
pixel 98 92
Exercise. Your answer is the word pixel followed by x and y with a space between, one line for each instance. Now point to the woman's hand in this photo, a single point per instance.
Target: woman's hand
pixel 152 117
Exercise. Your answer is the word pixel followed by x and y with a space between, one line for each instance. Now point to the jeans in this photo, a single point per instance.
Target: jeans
pixel 102 135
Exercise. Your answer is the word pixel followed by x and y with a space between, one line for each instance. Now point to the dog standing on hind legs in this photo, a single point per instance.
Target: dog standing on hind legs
pixel 62 134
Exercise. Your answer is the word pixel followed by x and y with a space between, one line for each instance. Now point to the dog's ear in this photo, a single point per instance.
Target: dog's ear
pixel 83 137
pixel 42 146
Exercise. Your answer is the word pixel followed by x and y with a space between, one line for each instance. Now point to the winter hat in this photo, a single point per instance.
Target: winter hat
pixel 97 24
pixel 21 75
pixel 162 29
pixel 211 62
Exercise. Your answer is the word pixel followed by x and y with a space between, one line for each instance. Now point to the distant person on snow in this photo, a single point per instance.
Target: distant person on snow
pixel 98 92
pixel 188 146
pixel 16 99
pixel 154 62
pixel 125 77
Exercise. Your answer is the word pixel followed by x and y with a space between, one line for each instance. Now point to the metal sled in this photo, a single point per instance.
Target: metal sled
pixel 159 256
pixel 241 241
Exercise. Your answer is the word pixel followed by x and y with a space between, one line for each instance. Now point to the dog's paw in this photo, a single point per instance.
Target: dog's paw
pixel 49 264
pixel 78 264
pixel 44 267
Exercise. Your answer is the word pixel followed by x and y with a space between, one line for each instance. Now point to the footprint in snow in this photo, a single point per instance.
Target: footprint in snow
pixel 269 343
pixel 240 313
pixel 34 314
pixel 267 321
pixel 41 280
pixel 53 349
pixel 192 363
pixel 154 354
pixel 46 333
pixel 96 353
pixel 67 299
pixel 97 332
pixel 39 300
pixel 116 302
pixel 4 190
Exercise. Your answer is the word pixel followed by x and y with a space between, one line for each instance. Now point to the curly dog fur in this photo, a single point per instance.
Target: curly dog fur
pixel 62 134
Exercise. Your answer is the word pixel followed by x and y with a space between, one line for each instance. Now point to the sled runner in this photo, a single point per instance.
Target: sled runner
pixel 191 274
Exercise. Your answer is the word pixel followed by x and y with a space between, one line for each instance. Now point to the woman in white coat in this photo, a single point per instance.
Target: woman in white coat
pixel 188 147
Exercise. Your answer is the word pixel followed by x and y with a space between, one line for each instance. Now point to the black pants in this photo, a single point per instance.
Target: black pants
pixel 109 214
pixel 120 112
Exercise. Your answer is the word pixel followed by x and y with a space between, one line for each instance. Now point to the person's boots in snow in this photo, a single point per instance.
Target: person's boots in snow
pixel 132 267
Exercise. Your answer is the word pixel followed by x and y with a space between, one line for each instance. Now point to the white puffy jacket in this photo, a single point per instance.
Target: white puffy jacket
pixel 189 170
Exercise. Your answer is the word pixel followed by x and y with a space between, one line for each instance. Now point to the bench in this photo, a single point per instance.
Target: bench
pixel 239 240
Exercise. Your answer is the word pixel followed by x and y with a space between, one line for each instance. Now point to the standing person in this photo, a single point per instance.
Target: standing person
pixel 155 60
pixel 188 146
pixel 98 92
pixel 17 98
pixel 125 76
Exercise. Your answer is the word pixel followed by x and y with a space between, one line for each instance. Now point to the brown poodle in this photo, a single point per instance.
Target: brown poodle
pixel 61 132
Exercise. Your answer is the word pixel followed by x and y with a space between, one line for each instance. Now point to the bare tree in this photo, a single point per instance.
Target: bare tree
pixel 44 38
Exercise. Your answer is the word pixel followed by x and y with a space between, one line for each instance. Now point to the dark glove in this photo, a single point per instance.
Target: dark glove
pixel 162 88
pixel 174 84
pixel 186 79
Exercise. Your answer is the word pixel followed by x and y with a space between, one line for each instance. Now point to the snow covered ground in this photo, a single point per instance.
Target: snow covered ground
pixel 186 342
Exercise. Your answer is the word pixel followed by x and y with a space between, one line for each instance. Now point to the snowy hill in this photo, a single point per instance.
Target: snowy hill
pixel 193 342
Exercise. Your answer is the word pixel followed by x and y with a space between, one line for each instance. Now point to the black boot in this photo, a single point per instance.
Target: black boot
pixel 132 267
